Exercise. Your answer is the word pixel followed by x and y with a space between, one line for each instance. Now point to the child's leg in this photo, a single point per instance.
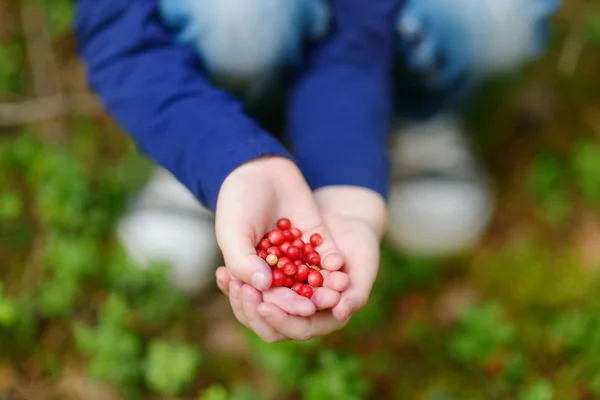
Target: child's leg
pixel 441 200
pixel 243 44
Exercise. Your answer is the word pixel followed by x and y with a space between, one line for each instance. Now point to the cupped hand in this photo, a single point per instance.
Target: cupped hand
pixel 356 219
pixel 251 200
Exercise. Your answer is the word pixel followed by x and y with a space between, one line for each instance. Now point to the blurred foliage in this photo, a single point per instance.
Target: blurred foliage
pixel 517 318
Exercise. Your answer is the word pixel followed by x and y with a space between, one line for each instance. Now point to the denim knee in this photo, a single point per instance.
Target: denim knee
pixel 246 39
pixel 446 46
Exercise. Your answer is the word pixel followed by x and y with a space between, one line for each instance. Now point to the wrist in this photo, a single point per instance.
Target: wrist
pixel 355 202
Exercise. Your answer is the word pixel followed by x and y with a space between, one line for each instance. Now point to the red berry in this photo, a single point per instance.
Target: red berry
pixel 262 254
pixel 276 251
pixel 297 286
pixel 299 244
pixel 272 260
pixel 289 269
pixel 278 278
pixel 298 263
pixel 276 237
pixel 302 273
pixel 284 246
pixel 264 244
pixel 309 248
pixel 289 281
pixel 289 236
pixel 296 232
pixel 306 291
pixel 315 279
pixel 316 239
pixel 313 258
pixel 282 261
pixel 293 252
pixel 284 224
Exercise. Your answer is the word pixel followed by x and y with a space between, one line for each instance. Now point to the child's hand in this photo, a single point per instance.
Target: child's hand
pixel 251 200
pixel 356 219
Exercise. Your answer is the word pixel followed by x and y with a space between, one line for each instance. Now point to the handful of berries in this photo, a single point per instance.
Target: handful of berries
pixel 294 263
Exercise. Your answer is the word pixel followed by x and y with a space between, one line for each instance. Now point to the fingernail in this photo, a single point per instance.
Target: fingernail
pixel 259 280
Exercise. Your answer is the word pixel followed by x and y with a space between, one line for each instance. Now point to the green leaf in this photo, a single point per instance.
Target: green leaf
pixel 171 367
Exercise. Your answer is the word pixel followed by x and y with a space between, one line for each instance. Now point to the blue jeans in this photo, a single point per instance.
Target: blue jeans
pixel 445 47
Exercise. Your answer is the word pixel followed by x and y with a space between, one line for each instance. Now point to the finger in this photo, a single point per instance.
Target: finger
pixel 362 271
pixel 251 299
pixel 289 301
pixel 331 258
pixel 240 256
pixel 235 299
pixel 299 328
pixel 336 280
pixel 223 279
pixel 325 298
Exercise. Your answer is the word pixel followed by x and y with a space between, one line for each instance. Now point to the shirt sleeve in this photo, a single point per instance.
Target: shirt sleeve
pixel 340 110
pixel 155 90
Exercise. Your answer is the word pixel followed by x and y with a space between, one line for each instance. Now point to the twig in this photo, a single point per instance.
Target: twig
pixel 45 108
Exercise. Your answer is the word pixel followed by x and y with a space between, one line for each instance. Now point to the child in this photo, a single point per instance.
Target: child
pixel 159 67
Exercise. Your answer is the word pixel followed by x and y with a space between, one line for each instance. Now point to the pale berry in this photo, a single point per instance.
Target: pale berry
pixel 272 259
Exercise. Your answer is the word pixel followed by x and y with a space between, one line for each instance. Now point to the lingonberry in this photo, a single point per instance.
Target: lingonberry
pixel 284 224
pixel 276 237
pixel 298 263
pixel 284 246
pixel 289 236
pixel 313 258
pixel 262 254
pixel 289 281
pixel 302 272
pixel 296 232
pixel 264 244
pixel 315 279
pixel 316 239
pixel 293 252
pixel 309 248
pixel 289 269
pixel 299 244
pixel 282 261
pixel 297 286
pixel 272 260
pixel 279 278
pixel 275 250
pixel 306 291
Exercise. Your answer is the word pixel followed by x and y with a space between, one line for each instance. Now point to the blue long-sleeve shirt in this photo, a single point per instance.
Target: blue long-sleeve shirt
pixel 156 91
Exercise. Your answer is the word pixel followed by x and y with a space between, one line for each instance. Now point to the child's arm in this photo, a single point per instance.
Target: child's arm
pixel 339 120
pixel 155 89
pixel 341 107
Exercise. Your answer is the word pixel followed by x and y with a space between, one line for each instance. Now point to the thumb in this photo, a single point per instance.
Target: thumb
pixel 241 260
